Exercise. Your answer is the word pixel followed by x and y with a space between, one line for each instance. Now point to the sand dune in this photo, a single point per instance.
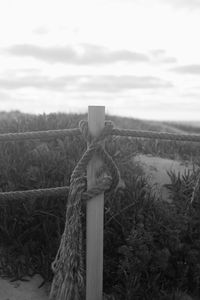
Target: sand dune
pixel 156 168
pixel 23 290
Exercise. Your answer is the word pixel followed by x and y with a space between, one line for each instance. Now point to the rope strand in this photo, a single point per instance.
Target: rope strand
pixel 48 134
pixel 32 194
pixel 155 135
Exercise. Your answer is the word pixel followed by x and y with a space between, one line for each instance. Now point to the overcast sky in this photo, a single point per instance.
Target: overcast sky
pixel 139 58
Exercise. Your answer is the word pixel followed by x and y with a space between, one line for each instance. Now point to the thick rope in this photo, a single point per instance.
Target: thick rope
pixel 48 134
pixel 68 281
pixel 68 267
pixel 33 194
pixel 155 135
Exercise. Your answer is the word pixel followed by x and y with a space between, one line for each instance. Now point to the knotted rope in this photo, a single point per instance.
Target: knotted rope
pixel 68 266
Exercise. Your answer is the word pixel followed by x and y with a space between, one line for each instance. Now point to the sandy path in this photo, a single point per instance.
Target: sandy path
pixel 156 168
pixel 19 290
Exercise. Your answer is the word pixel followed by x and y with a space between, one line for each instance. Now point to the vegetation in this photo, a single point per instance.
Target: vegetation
pixel 151 248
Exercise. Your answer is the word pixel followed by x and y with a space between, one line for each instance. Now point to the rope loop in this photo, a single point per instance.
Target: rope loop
pixel 108 164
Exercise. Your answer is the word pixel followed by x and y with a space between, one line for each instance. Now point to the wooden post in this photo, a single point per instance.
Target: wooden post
pixel 95 216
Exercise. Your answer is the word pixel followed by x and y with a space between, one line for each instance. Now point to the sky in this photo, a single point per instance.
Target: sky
pixel 138 58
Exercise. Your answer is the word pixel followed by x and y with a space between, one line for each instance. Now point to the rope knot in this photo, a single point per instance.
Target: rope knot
pixel 95 147
pixel 83 126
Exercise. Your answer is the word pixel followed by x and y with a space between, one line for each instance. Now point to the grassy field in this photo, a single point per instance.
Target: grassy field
pixel 151 248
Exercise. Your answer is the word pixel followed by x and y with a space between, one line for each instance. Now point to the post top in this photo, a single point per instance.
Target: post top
pixel 96 119
pixel 96 105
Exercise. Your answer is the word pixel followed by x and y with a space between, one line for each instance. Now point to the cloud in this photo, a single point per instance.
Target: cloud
pixel 158 52
pixel 188 4
pixel 111 83
pixel 86 83
pixel 39 82
pixel 169 60
pixel 160 56
pixel 187 69
pixel 4 97
pixel 42 30
pixel 179 4
pixel 191 95
pixel 85 54
pixel 191 4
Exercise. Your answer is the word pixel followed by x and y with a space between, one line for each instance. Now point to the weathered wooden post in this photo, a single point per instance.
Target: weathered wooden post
pixel 95 215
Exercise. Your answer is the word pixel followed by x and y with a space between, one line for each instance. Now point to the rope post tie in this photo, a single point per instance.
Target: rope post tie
pixel 94 214
pixel 68 266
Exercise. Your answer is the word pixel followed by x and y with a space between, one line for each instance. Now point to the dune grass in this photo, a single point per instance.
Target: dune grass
pixel 151 248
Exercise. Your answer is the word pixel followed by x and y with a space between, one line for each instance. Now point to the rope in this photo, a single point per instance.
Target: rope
pixel 68 281
pixel 68 267
pixel 155 135
pixel 48 134
pixel 108 162
pixel 108 130
pixel 33 194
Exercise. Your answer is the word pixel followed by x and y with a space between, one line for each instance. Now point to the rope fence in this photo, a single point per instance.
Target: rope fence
pixel 62 133
pixel 68 268
pixel 52 134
